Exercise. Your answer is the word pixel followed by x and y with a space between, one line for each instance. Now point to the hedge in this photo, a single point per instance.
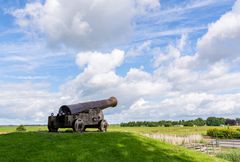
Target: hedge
pixel 224 133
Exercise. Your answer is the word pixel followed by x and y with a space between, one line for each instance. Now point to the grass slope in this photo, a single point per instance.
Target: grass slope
pixel 91 146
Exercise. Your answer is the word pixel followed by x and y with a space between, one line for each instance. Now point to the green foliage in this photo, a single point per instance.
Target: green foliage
pixel 21 128
pixel 189 123
pixel 230 122
pixel 199 122
pixel 166 123
pixel 224 133
pixel 214 121
pixel 232 155
pixel 99 147
pixel 238 121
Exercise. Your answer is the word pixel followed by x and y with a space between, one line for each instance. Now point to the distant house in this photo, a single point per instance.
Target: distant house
pixel 178 125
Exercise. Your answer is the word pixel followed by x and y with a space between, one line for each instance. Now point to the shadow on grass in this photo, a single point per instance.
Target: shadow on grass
pixel 90 146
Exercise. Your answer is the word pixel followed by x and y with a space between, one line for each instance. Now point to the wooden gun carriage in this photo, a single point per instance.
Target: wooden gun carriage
pixel 81 116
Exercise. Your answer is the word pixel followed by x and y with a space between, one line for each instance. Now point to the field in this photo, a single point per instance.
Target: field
pixel 119 144
pixel 182 131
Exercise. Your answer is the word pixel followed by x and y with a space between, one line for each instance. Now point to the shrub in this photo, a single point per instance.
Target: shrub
pixel 224 133
pixel 21 128
pixel 167 125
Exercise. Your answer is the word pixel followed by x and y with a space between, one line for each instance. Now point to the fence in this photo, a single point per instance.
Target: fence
pixel 227 143
pixel 208 148
pixel 196 142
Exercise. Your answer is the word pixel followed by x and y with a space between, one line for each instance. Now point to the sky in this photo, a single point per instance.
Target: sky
pixel 162 60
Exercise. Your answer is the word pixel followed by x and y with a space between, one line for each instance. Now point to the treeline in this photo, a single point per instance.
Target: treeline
pixel 210 121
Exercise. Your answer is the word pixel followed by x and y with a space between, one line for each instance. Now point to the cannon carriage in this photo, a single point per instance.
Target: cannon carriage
pixel 81 116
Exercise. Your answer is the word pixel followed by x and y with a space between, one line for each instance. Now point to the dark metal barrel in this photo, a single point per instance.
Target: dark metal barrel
pixel 81 107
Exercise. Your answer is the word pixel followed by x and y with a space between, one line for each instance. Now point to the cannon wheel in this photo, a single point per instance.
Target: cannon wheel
pixel 52 129
pixel 79 126
pixel 103 126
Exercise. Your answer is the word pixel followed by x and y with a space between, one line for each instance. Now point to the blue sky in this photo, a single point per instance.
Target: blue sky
pixel 163 59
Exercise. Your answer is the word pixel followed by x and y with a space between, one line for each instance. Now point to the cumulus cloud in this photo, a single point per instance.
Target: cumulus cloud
pixel 186 76
pixel 99 78
pixel 83 24
pixel 179 106
pixel 96 60
pixel 222 40
pixel 162 58
pixel 172 91
pixel 26 103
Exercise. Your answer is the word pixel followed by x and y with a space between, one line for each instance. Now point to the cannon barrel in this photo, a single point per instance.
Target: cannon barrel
pixel 81 107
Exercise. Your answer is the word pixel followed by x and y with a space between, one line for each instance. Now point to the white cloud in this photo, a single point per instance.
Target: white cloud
pixel 222 39
pixel 97 62
pixel 185 76
pixel 142 49
pixel 99 78
pixel 182 42
pixel 181 106
pixel 164 58
pixel 82 24
pixel 26 103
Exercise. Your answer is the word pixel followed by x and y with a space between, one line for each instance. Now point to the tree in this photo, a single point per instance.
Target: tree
pixel 199 122
pixel 213 121
pixel 230 122
pixel 188 123
pixel 238 121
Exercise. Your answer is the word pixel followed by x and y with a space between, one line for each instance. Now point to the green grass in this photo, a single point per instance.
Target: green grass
pixel 5 129
pixel 92 146
pixel 232 155
pixel 182 131
pixel 113 128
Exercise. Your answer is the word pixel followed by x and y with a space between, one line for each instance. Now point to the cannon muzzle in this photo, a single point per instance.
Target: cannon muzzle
pixel 81 107
pixel 111 102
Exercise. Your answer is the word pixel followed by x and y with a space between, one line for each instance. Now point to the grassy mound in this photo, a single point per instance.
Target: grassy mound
pixel 92 146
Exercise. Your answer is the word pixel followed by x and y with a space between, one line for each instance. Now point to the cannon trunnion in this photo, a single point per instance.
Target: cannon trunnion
pixel 81 116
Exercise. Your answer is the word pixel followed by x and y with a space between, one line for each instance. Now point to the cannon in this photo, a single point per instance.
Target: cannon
pixel 81 116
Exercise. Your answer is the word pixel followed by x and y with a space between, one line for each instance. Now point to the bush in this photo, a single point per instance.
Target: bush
pixel 224 133
pixel 21 128
pixel 167 125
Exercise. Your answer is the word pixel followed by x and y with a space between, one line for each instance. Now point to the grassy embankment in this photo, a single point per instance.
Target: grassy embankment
pixel 110 146
pixel 124 140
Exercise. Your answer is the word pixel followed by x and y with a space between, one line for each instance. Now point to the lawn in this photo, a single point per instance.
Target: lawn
pixel 91 146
